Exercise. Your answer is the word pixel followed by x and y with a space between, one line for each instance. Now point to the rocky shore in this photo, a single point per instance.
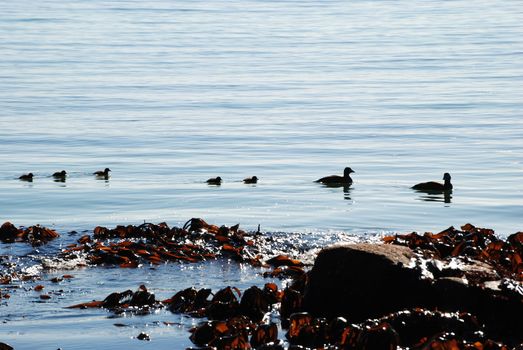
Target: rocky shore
pixel 457 289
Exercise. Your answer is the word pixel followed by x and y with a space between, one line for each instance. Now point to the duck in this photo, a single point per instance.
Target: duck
pixel 335 180
pixel 251 180
pixel 215 181
pixel 104 173
pixel 26 177
pixel 60 175
pixel 434 186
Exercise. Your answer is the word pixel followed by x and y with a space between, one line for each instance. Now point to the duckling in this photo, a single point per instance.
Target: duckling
pixel 251 180
pixel 434 186
pixel 27 177
pixel 215 181
pixel 60 175
pixel 336 180
pixel 104 173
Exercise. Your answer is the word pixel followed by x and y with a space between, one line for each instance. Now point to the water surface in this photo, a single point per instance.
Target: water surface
pixel 169 93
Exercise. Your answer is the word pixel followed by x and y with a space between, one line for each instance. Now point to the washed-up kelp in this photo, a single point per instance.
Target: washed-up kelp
pixel 237 320
pixel 412 329
pixel 506 256
pixel 233 317
pixel 130 246
pixel 140 301
pixel 36 235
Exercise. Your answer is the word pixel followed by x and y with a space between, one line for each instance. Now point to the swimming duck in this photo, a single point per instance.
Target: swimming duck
pixel 215 181
pixel 104 173
pixel 250 180
pixel 60 174
pixel 26 177
pixel 435 186
pixel 344 180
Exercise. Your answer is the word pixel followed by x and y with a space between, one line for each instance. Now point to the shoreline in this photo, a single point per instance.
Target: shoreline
pixel 237 247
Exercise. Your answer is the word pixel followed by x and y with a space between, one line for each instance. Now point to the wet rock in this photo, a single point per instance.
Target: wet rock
pixel 4 346
pixel 365 281
pixel 379 337
pixel 361 281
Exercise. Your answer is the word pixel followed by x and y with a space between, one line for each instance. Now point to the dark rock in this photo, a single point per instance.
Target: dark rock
pixel 361 281
pixel 365 281
pixel 379 337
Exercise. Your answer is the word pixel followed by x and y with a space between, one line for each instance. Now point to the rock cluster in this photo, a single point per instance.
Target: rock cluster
pixel 469 271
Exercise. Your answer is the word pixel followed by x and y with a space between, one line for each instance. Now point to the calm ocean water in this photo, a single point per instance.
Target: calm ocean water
pixel 170 93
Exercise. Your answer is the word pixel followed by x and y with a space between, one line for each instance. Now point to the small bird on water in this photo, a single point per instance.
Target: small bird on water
pixel 336 180
pixel 251 180
pixel 215 181
pixel 60 175
pixel 435 186
pixel 104 173
pixel 27 177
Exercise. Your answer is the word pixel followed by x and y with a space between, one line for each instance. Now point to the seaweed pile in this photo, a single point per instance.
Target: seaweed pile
pixel 35 235
pixel 505 256
pixel 457 289
pixel 241 321
pixel 130 246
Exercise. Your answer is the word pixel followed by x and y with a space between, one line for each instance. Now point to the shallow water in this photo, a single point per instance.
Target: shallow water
pixel 168 94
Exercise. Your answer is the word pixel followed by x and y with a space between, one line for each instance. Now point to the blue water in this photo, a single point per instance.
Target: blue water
pixel 169 93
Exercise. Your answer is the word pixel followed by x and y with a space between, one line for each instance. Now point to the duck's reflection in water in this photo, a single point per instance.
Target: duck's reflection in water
pixel 346 193
pixel 346 189
pixel 435 196
pixel 60 182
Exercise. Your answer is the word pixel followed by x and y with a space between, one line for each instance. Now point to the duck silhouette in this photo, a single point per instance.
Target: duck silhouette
pixel 433 186
pixel 102 173
pixel 60 175
pixel 217 181
pixel 27 177
pixel 336 180
pixel 251 180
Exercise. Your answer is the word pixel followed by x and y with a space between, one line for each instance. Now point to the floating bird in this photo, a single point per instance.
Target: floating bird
pixel 104 173
pixel 250 180
pixel 215 181
pixel 434 186
pixel 27 177
pixel 336 180
pixel 60 175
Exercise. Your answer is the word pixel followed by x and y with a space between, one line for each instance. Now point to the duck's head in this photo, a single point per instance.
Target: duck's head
pixel 347 171
pixel 446 177
pixel 63 172
pixel 107 170
pixel 219 179
pixel 254 178
pixel 30 175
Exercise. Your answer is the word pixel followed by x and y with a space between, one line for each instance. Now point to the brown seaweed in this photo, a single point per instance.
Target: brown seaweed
pixel 472 242
pixel 36 235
